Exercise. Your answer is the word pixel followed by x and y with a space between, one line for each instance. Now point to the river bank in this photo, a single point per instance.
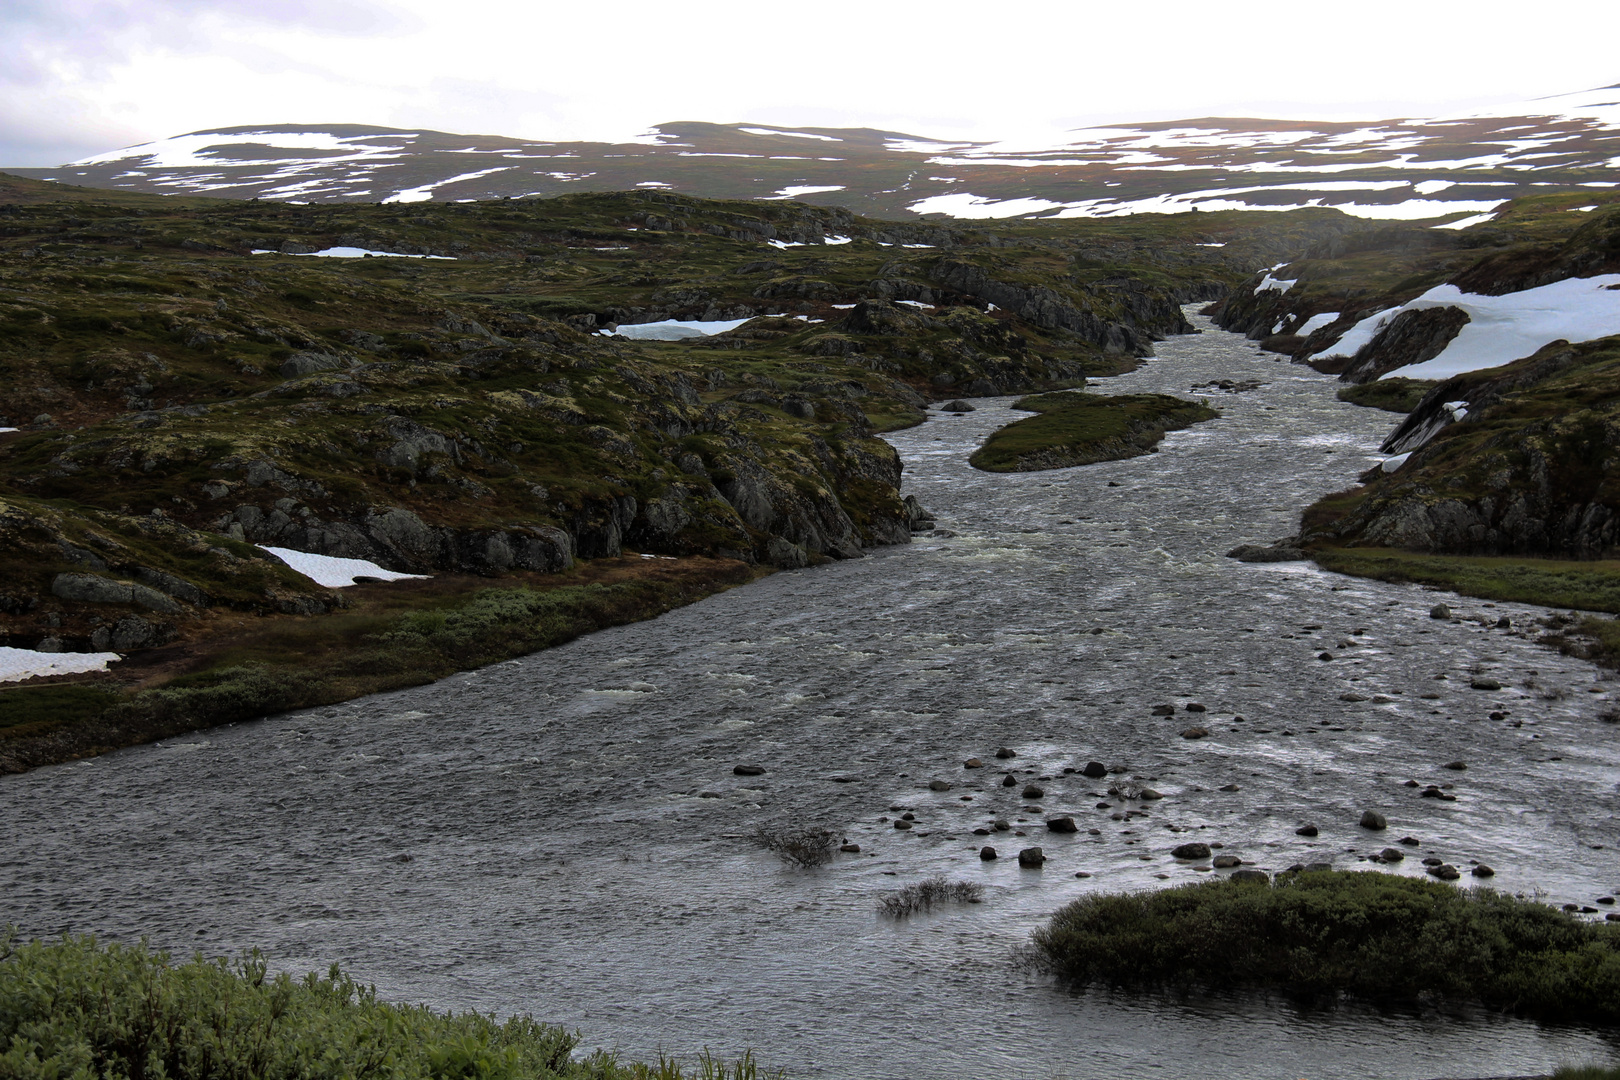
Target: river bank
pixel 565 834
pixel 394 634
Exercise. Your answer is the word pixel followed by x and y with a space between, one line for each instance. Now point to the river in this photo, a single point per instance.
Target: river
pixel 564 834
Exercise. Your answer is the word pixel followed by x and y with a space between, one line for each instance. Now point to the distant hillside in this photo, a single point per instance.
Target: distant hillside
pixel 1397 169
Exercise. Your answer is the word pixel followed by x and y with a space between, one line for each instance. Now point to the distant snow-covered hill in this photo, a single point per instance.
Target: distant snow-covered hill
pixel 1404 169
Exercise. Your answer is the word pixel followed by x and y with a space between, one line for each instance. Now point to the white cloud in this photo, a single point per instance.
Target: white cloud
pixel 100 73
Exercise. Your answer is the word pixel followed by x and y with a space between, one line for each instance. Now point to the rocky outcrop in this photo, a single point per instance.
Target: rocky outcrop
pixel 1411 337
pixel 1525 471
pixel 1144 315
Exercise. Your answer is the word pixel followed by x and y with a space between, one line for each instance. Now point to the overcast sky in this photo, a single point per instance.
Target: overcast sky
pixel 83 76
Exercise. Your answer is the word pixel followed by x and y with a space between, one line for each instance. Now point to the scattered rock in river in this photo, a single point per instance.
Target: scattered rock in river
pixel 1095 770
pixel 1484 871
pixel 987 853
pixel 1148 794
pixel 1062 824
pixel 1033 792
pixel 1009 780
pixel 1193 706
pixel 1227 862
pixel 1409 841
pixel 1006 752
pixel 1164 710
pixel 958 406
pixel 1230 787
pixel 749 770
pixel 1351 695
pixel 1440 611
pixel 1190 851
pixel 1195 733
pixel 1081 874
pixel 1392 854
pixel 1445 872
pixel 972 763
pixel 1031 858
pixel 1482 683
pixel 850 849
pixel 938 785
pixel 1001 824
pixel 1258 877
pixel 902 824
pixel 1307 830
pixel 1372 819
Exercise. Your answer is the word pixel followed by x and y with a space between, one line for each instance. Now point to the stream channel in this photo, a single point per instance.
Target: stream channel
pixel 563 834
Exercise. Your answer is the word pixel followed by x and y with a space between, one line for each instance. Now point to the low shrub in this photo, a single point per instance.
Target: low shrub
pixel 925 895
pixel 76 1008
pixel 1369 935
pixel 799 846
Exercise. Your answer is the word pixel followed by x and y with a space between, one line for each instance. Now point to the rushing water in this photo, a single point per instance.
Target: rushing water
pixel 564 835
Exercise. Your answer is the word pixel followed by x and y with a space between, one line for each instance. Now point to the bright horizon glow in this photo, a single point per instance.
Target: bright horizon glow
pixel 83 77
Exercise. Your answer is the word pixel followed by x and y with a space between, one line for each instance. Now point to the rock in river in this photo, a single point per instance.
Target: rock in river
pixel 749 770
pixel 1372 819
pixel 1063 824
pixel 987 853
pixel 1226 862
pixel 1307 830
pixel 1031 857
pixel 1095 770
pixel 1033 792
pixel 1191 851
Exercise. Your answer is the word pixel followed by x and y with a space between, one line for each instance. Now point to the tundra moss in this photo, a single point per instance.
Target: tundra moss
pixel 1073 428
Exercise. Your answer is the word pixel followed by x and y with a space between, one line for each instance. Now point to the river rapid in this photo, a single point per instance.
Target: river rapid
pixel 564 835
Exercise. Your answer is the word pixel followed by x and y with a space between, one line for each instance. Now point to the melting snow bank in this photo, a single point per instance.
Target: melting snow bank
pixel 19 664
pixel 332 572
pixel 1502 329
pixel 675 329
pixel 354 253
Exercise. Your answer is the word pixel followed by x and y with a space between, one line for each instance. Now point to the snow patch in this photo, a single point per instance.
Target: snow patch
pixel 795 192
pixel 19 664
pixel 335 573
pixel 1502 329
pixel 1316 322
pixel 677 329
pixel 789 134
pixel 355 253
pixel 1465 223
pixel 425 192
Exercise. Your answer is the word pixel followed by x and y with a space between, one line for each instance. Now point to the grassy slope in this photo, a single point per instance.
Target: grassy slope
pixel 1399 395
pixel 1080 429
pixel 1375 936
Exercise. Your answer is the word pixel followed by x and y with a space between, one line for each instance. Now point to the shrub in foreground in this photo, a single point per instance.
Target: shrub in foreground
pixel 77 1009
pixel 1370 935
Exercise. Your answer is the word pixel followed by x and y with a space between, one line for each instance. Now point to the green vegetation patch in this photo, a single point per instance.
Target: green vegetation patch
pixel 1588 586
pixel 1373 936
pixel 1400 395
pixel 76 1008
pixel 1079 429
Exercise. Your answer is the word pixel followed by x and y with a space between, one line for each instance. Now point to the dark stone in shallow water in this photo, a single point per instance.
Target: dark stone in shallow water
pixel 1307 830
pixel 1096 770
pixel 1191 851
pixel 749 770
pixel 1255 553
pixel 1031 858
pixel 1061 824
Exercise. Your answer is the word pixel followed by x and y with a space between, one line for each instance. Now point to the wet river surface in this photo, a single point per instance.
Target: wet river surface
pixel 564 835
